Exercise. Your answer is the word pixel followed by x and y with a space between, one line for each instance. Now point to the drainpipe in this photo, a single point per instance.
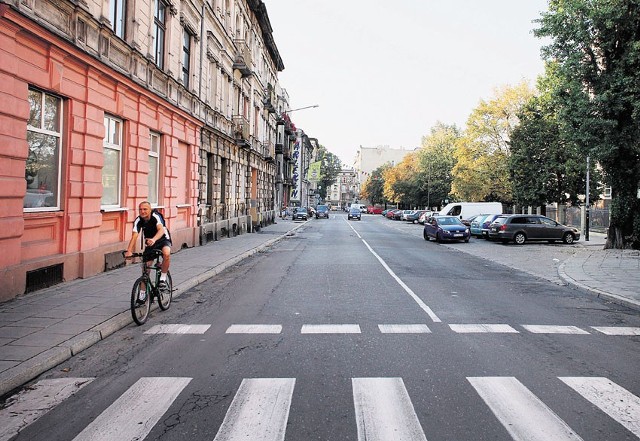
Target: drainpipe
pixel 202 39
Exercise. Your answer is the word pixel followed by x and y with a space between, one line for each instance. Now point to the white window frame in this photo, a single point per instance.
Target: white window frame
pixel 118 8
pixel 155 154
pixel 112 144
pixel 57 134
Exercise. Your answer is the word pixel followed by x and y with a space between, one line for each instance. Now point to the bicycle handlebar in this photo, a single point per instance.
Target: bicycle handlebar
pixel 155 252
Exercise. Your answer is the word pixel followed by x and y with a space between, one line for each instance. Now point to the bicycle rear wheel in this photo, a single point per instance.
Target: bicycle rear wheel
pixel 164 298
pixel 140 308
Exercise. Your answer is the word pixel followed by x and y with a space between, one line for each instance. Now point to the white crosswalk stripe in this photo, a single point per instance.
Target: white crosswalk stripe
pixel 382 405
pixel 254 329
pixel 618 330
pixel 614 400
pixel 133 415
pixel 482 328
pixel 330 329
pixel 259 410
pixel 547 329
pixel 525 417
pixel 384 410
pixel 404 329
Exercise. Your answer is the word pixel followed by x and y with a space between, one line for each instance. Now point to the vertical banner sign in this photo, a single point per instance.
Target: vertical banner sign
pixel 296 189
pixel 313 174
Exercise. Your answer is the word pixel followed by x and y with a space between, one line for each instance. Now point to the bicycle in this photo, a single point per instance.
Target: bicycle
pixel 145 288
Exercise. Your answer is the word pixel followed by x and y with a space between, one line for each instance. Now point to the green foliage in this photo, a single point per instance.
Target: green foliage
pixel 329 170
pixel 482 155
pixel 435 163
pixel 373 187
pixel 596 44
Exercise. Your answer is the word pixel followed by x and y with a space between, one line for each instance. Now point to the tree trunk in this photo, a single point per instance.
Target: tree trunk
pixel 615 238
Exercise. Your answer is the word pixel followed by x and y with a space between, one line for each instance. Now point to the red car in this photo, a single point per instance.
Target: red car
pixel 374 210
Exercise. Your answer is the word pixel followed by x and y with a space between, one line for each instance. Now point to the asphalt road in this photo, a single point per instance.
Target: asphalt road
pixel 354 330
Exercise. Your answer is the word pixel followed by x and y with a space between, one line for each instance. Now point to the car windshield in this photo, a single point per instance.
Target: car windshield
pixel 322 208
pixel 449 221
pixel 301 210
pixel 355 210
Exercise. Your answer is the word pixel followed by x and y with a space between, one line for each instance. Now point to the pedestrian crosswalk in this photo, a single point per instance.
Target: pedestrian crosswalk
pixel 409 328
pixel 382 409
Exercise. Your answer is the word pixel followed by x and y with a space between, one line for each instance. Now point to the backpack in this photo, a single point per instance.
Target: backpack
pixel 155 211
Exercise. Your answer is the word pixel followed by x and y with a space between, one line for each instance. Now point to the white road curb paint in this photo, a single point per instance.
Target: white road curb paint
pixel 547 329
pixel 614 400
pixel 178 329
pixel 525 417
pixel 330 329
pixel 30 404
pixel 404 329
pixel 133 415
pixel 384 411
pixel 617 330
pixel 482 328
pixel 259 411
pixel 254 329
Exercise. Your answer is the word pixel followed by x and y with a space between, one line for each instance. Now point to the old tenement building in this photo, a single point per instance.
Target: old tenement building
pixel 107 103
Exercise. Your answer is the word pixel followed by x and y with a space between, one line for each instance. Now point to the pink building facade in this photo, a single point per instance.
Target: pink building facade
pixel 94 144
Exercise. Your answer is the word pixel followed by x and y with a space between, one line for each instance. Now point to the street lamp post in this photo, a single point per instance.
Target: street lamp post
pixel 586 221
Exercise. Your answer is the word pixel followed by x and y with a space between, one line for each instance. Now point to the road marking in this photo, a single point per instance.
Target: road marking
pixel 522 414
pixel 409 291
pixel 254 329
pixel 614 400
pixel 482 328
pixel 133 415
pixel 26 407
pixel 384 410
pixel 330 329
pixel 178 329
pixel 259 410
pixel 617 330
pixel 547 329
pixel 404 329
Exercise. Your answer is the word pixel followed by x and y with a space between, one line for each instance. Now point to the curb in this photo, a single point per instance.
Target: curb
pixel 28 370
pixel 599 293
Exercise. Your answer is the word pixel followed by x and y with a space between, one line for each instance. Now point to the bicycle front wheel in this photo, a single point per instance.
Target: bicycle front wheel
pixel 140 307
pixel 164 297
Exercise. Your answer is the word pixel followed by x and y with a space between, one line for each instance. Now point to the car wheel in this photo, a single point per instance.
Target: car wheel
pixel 438 238
pixel 425 235
pixel 466 241
pixel 519 238
pixel 568 238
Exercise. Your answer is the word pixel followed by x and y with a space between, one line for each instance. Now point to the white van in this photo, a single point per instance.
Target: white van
pixel 362 207
pixel 464 210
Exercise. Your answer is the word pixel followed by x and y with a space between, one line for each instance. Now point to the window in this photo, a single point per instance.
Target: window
pixel 111 169
pixel 154 168
pixel 186 57
pixel 44 136
pixel 159 27
pixel 117 16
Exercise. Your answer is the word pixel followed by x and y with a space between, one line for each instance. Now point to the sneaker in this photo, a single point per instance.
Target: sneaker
pixel 163 287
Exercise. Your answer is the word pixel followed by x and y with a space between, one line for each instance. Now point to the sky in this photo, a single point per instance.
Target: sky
pixel 384 72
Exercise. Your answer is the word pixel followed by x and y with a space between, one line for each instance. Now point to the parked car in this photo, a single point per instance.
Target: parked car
pixel 354 213
pixel 485 225
pixel 426 215
pixel 301 213
pixel 521 228
pixel 445 228
pixel 322 211
pixel 414 216
pixel 464 210
pixel 374 210
pixel 476 225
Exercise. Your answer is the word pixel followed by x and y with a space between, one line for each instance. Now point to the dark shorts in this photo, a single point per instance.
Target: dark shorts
pixel 149 252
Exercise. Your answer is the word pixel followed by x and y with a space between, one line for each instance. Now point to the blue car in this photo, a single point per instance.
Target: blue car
pixel 443 228
pixel 476 225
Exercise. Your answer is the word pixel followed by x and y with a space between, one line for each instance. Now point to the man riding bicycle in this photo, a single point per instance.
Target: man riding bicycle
pixel 156 237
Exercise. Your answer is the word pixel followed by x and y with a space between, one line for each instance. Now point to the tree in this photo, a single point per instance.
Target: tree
pixel 373 187
pixel 545 167
pixel 435 164
pixel 329 170
pixel 596 44
pixel 401 182
pixel 481 172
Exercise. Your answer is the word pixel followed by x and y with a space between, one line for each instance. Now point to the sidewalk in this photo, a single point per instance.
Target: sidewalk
pixel 41 330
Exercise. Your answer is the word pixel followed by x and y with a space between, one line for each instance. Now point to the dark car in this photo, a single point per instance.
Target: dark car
pixel 445 228
pixel 521 228
pixel 322 211
pixel 301 214
pixel 354 213
pixel 486 222
pixel 414 216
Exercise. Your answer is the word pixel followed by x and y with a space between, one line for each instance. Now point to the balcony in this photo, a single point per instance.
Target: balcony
pixel 241 130
pixel 269 100
pixel 243 61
